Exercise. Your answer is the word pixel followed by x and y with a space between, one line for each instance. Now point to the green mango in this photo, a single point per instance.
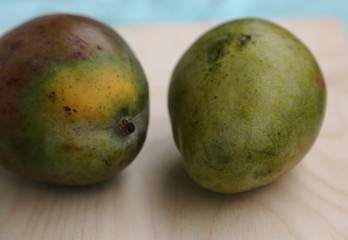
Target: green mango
pixel 246 103
pixel 74 101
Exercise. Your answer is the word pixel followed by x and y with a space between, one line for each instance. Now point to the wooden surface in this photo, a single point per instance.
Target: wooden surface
pixel 155 199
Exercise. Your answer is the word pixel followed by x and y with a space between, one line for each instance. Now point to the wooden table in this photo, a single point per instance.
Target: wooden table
pixel 155 199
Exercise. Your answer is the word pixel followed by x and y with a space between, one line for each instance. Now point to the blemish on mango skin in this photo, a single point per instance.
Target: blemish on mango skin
pixel 245 38
pixel 52 96
pixel 216 50
pixel 67 109
pixel 84 100
pixel 321 83
pixel 107 163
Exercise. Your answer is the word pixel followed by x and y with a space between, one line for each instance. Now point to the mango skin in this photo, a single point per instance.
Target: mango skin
pixel 74 101
pixel 246 103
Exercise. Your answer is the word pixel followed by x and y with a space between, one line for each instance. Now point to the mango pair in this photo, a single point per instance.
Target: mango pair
pixel 246 103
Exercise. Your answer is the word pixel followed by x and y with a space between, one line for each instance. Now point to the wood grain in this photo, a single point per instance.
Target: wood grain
pixel 155 199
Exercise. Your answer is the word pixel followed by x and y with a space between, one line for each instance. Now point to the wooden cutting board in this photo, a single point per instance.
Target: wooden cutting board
pixel 154 198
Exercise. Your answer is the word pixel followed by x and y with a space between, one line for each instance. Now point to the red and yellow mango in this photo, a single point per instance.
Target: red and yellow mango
pixel 73 101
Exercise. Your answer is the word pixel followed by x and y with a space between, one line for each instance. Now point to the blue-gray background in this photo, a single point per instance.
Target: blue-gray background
pixel 130 12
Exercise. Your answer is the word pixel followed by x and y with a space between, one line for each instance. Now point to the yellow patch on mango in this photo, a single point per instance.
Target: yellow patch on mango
pixel 90 95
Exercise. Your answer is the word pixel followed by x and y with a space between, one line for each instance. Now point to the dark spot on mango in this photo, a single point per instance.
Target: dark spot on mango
pixel 107 163
pixel 130 127
pixel 215 50
pixel 52 97
pixel 67 109
pixel 126 125
pixel 245 39
pixel 214 67
pixel 66 147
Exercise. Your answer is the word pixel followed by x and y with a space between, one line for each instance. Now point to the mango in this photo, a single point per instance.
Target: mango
pixel 74 101
pixel 246 103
